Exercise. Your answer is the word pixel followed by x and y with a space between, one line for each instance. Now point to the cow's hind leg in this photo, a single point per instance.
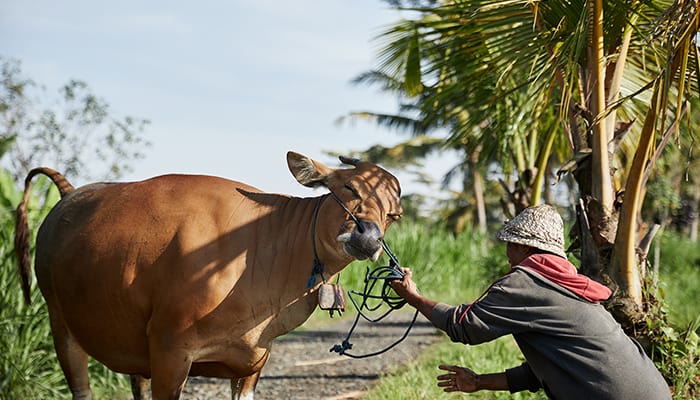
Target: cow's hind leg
pixel 140 387
pixel 73 359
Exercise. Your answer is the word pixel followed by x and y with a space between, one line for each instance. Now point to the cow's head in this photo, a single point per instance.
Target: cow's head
pixel 369 192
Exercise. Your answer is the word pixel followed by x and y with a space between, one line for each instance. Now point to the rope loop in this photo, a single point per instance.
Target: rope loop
pixel 370 302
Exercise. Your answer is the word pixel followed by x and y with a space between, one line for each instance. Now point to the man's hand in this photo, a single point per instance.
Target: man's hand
pixel 459 380
pixel 405 287
pixel 465 380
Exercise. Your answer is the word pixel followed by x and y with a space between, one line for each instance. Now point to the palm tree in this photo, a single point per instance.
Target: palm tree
pixel 605 80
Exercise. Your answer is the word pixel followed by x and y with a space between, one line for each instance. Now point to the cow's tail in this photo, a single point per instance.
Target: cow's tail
pixel 22 225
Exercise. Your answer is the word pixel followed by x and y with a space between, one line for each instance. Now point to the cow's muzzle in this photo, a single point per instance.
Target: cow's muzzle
pixel 365 241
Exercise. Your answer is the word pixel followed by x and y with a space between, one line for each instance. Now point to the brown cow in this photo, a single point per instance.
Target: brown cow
pixel 195 275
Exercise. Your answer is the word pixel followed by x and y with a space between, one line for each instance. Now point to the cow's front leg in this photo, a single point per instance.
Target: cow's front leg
pixel 244 388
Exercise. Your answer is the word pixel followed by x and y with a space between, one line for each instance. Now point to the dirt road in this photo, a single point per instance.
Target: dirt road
pixel 302 367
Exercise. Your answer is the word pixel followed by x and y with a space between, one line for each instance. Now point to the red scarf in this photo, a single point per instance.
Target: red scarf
pixel 563 273
pixel 560 271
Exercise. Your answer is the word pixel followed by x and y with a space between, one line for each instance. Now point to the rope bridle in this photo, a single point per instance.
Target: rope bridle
pixel 385 273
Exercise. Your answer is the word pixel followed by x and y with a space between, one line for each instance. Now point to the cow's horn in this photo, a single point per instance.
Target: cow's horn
pixel 348 160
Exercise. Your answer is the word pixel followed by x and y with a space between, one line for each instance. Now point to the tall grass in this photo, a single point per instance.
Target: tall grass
pixel 675 325
pixel 29 367
pixel 679 276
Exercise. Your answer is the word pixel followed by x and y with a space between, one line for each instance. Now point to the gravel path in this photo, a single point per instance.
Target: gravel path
pixel 302 367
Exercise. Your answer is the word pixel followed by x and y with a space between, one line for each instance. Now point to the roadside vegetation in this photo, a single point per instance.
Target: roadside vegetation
pixel 447 267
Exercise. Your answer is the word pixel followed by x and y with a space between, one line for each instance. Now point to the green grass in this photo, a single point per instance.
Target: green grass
pixel 679 272
pixel 417 380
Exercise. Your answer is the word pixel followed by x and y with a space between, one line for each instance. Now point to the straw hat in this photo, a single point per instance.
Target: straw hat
pixel 537 226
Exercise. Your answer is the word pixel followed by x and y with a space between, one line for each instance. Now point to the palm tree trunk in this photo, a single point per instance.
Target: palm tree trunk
pixel 601 179
pixel 478 187
pixel 542 160
pixel 479 199
pixel 623 265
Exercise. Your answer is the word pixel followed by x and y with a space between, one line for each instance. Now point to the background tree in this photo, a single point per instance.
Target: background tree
pixel 76 134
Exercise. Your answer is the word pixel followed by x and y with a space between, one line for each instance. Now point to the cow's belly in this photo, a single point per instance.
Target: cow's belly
pixel 107 327
pixel 240 364
pixel 117 334
pixel 213 370
pixel 119 343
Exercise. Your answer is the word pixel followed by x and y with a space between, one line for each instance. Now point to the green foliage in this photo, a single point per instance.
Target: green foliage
pixel 676 352
pixel 26 365
pixel 29 368
pixel 663 200
pixel 674 319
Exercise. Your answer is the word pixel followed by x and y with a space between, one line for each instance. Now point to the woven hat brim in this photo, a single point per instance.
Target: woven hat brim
pixel 531 242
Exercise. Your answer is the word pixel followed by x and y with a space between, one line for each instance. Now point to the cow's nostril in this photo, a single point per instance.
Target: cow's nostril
pixel 365 241
pixel 367 235
pixel 369 230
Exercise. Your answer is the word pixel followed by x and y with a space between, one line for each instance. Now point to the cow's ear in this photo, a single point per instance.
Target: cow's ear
pixel 307 171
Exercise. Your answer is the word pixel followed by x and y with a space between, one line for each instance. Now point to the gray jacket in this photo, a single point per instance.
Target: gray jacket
pixel 574 349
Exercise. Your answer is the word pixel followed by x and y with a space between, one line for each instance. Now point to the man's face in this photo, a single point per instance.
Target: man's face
pixel 516 253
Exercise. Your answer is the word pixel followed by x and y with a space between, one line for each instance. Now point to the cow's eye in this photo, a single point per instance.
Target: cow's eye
pixel 394 217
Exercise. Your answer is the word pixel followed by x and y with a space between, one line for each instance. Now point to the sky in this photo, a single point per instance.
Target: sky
pixel 228 87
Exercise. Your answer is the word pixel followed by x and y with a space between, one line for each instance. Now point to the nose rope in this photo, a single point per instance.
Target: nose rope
pixel 384 273
pixel 372 277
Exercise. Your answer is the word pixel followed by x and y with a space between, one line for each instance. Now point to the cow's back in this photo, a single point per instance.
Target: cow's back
pixel 110 257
